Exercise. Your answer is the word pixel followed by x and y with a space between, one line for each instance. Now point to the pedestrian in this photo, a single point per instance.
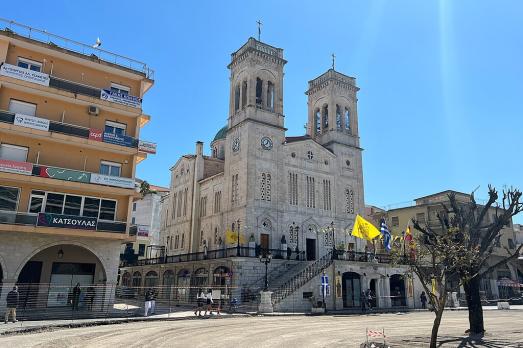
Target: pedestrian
pixel 11 303
pixel 148 301
pixel 369 298
pixel 89 297
pixel 153 301
pixel 200 296
pixel 209 302
pixel 76 296
pixel 423 299
pixel 362 300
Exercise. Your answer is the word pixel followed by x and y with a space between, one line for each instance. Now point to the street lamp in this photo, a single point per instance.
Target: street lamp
pixel 266 259
pixel 296 230
pixel 238 241
pixel 333 240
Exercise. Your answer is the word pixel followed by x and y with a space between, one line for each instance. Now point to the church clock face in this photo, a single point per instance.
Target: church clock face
pixel 236 145
pixel 266 143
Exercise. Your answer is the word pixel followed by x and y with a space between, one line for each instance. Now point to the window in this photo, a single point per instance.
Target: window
pixel 420 217
pixel 29 64
pixel 395 221
pixel 265 187
pixel 13 152
pixel 259 89
pixel 203 206
pixel 237 98
pixel 54 203
pixel 349 200
pixel 244 94
pixel 293 188
pixel 73 205
pixel 115 128
pixel 110 168
pixel 107 210
pixel 9 198
pixel 185 201
pixel 234 190
pixel 60 203
pixel 326 194
pixel 176 241
pixel 20 107
pixel 141 249
pixel 179 204
pixel 317 121
pixel 91 207
pixel 174 205
pixel 325 117
pixel 217 201
pixel 183 240
pixel 311 194
pixel 338 117
pixel 133 220
pixel 120 88
pixel 201 237
pixel 216 236
pixel 293 234
pixel 134 206
pixel 347 118
pixel 270 95
pixel 36 201
pixel 310 155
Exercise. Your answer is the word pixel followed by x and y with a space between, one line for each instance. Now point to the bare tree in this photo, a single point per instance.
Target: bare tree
pixel 471 237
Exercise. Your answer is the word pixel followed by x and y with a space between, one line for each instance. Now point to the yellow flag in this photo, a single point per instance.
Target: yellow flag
pixel 433 286
pixel 364 229
pixel 231 237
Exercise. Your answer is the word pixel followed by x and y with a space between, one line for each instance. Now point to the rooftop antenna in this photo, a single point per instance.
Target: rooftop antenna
pixel 259 28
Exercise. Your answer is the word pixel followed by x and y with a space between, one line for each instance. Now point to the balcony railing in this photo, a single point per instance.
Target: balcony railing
pixel 17 218
pixel 88 51
pixel 77 131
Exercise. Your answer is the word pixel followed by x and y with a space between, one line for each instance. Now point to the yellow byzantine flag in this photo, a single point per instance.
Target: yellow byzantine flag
pixel 231 237
pixel 364 229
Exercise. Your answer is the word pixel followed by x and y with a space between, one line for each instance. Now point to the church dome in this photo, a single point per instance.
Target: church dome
pixel 221 134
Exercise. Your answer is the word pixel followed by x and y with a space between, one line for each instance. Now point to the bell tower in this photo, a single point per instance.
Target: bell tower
pixel 256 89
pixel 332 109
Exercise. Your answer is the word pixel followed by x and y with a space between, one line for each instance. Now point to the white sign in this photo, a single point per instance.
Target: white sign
pixel 28 75
pixel 147 146
pixel 120 98
pixel 31 122
pixel 112 181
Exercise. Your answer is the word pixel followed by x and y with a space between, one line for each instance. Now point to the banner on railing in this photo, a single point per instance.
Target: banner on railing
pixel 147 146
pixel 112 181
pixel 16 167
pixel 65 174
pixel 66 221
pixel 120 98
pixel 95 134
pixel 33 122
pixel 116 139
pixel 28 75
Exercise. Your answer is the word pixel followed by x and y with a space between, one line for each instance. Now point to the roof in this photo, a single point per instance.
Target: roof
pixel 158 188
pixel 221 133
pixel 446 192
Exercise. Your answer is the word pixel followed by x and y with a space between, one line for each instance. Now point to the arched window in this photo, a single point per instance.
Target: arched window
pixel 338 117
pixel 237 98
pixel 151 279
pixel 318 121
pixel 244 94
pixel 215 235
pixel 220 275
pixel 259 91
pixel 137 279
pixel 325 117
pixel 168 278
pixel 347 118
pixel 126 279
pixel 270 95
pixel 183 240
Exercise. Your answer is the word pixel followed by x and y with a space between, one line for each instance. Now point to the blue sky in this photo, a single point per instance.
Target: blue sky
pixel 441 99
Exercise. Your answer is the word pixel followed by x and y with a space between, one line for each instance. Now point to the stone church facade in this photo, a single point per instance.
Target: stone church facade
pixel 307 189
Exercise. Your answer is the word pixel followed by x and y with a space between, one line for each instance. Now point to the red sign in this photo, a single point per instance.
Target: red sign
pixel 16 167
pixel 95 134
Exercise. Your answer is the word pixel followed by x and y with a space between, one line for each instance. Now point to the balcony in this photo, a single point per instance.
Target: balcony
pixel 89 133
pixel 18 218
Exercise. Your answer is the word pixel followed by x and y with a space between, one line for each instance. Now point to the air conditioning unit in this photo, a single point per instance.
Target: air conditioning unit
pixel 93 110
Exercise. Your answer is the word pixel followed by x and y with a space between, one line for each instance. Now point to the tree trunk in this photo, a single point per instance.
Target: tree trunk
pixel 474 306
pixel 435 327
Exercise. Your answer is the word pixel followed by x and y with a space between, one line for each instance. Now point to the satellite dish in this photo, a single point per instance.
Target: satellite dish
pixel 98 43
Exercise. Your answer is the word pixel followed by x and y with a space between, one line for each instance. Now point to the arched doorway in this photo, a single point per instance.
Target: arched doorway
pixel 397 290
pixel 199 281
pixel 311 247
pixel 168 284
pixel 220 276
pixel 351 289
pixel 372 287
pixel 47 279
pixel 183 283
pixel 126 279
pixel 151 280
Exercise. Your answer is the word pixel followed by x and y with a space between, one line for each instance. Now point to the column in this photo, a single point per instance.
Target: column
pixel 386 293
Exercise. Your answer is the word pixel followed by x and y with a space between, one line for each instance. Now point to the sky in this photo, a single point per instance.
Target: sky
pixel 441 99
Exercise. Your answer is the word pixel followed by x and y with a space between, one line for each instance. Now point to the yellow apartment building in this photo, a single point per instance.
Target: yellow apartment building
pixel 70 120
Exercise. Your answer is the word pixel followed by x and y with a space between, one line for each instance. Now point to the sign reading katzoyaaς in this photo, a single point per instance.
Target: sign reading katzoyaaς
pixel 28 75
pixel 66 221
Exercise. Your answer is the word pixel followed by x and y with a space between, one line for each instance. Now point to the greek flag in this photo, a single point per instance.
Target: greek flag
pixel 386 235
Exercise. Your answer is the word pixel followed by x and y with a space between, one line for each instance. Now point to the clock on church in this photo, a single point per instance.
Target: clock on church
pixel 266 143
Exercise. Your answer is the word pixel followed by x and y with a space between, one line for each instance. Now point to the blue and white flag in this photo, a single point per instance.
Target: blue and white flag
pixel 387 239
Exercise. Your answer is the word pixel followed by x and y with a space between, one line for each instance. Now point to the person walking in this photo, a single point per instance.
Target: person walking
pixel 368 297
pixel 76 296
pixel 153 301
pixel 11 303
pixel 200 296
pixel 148 301
pixel 209 302
pixel 89 297
pixel 423 299
pixel 362 300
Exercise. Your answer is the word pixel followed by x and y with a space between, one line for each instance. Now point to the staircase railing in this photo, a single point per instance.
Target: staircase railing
pixel 275 272
pixel 301 278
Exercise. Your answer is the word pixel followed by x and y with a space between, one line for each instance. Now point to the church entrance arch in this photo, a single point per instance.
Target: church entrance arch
pixel 351 290
pixel 311 247
pixel 397 290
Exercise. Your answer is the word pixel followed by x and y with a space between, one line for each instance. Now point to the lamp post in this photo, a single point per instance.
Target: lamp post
pixel 333 240
pixel 238 241
pixel 266 259
pixel 296 229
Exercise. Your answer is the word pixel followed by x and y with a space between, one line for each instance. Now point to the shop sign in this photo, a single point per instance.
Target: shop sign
pixel 116 139
pixel 108 180
pixel 147 146
pixel 120 98
pixel 16 167
pixel 65 174
pixel 95 134
pixel 31 122
pixel 28 75
pixel 66 221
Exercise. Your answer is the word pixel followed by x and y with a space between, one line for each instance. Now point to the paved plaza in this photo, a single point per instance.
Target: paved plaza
pixel 504 329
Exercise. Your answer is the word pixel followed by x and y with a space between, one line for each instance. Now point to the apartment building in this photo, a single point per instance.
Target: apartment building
pixel 70 120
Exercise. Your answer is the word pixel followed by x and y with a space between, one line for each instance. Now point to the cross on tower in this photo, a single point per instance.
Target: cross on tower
pixel 333 59
pixel 259 28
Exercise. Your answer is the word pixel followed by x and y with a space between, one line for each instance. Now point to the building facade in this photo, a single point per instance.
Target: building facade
pixel 70 120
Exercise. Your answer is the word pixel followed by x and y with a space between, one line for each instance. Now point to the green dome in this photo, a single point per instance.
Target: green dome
pixel 221 133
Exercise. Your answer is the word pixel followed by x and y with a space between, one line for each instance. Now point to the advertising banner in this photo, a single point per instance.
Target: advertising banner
pixel 95 134
pixel 65 174
pixel 120 98
pixel 116 139
pixel 16 167
pixel 112 181
pixel 142 231
pixel 31 122
pixel 147 146
pixel 19 73
pixel 66 221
